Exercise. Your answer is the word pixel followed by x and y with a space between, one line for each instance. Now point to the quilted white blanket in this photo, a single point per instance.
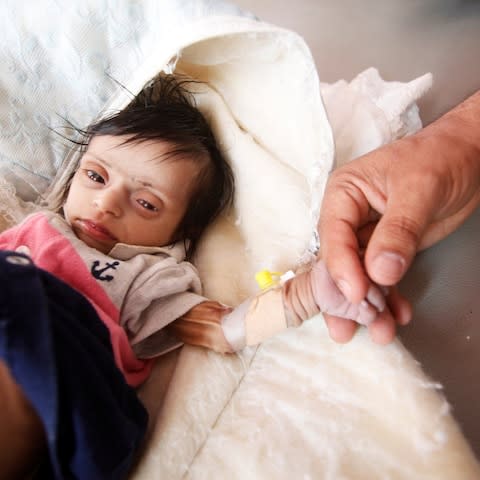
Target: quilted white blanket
pixel 299 406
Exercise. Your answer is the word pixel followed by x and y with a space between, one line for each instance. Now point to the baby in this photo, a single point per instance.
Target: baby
pixel 115 253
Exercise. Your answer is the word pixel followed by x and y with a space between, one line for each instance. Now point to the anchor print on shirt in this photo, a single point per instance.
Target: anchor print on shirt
pixel 99 273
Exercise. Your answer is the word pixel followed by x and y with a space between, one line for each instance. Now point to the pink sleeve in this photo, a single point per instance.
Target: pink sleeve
pixel 8 238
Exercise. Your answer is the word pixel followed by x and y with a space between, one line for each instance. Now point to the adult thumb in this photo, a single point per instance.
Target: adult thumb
pixel 396 238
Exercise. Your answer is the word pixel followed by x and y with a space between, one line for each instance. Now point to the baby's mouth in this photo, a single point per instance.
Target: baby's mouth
pixel 95 230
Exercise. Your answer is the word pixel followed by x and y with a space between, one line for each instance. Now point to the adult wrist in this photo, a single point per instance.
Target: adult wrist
pixel 458 132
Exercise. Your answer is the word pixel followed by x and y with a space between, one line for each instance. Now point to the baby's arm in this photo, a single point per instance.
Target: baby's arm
pixel 223 329
pixel 202 325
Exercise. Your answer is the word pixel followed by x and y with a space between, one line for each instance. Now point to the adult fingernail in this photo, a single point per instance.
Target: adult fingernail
pixel 388 267
pixel 344 287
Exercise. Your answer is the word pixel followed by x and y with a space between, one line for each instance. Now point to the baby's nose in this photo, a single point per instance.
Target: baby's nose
pixel 109 201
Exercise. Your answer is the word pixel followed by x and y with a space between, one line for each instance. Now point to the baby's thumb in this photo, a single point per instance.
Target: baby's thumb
pixel 395 240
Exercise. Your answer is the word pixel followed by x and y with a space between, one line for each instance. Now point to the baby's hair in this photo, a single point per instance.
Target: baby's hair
pixel 166 111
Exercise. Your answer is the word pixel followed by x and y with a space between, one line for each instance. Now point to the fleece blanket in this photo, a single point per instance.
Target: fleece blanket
pixel 298 406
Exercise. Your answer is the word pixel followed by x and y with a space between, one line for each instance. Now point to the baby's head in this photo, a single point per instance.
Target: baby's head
pixel 151 174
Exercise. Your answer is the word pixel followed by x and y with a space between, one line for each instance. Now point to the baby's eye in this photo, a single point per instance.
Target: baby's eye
pixel 94 176
pixel 147 205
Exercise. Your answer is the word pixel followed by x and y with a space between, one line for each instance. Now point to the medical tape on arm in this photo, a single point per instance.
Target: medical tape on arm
pixel 270 312
pixel 255 320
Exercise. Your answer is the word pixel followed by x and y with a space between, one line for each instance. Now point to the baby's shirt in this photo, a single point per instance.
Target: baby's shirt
pixel 136 291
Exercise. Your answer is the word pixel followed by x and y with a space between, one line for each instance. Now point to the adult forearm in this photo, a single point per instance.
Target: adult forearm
pixel 450 149
pixel 457 134
pixel 463 123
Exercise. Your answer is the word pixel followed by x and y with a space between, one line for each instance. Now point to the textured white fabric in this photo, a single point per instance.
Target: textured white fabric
pixel 368 112
pixel 300 406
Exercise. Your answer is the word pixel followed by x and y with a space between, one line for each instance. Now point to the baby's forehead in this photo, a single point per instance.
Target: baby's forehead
pixel 111 148
pixel 114 145
pixel 141 161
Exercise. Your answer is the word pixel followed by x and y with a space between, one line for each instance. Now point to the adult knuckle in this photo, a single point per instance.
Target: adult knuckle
pixel 403 228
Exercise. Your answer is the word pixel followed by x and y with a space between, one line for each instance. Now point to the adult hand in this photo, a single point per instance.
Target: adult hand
pixel 397 200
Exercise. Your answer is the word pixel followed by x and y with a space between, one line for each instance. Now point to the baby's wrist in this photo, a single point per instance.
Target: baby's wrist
pixel 299 300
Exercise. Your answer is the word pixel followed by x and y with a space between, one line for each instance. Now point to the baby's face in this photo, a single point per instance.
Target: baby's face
pixel 128 193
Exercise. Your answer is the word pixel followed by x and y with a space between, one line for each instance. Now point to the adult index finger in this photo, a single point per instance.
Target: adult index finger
pixel 344 210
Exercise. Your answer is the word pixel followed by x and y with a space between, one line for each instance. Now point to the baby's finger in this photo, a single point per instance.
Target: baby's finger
pixel 366 313
pixel 376 297
pixel 341 330
pixel 383 330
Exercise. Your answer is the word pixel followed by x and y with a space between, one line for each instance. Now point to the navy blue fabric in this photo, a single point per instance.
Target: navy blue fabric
pixel 59 351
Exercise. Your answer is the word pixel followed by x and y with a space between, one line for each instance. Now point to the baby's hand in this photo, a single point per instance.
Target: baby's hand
pixel 331 300
pixel 310 292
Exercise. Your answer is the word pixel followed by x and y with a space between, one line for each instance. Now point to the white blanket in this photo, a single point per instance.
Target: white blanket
pixel 299 406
